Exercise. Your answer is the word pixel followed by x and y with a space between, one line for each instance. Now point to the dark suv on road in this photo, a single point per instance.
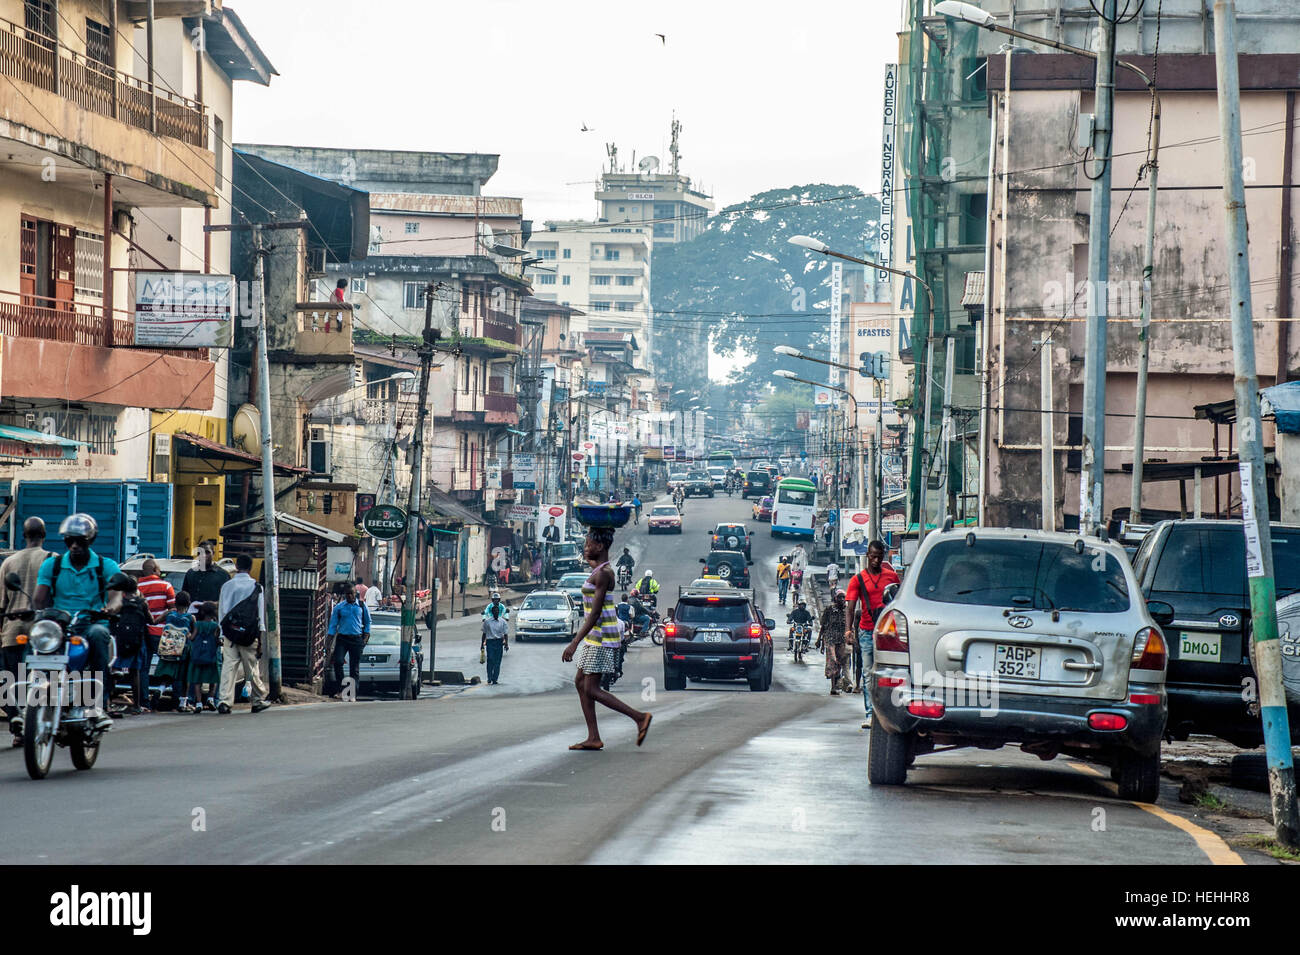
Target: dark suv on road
pixel 732 537
pixel 1198 568
pixel 698 484
pixel 729 565
pixel 717 636
pixel 757 484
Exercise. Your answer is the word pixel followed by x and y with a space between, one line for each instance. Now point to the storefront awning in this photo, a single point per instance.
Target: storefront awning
pixel 27 443
pixel 196 455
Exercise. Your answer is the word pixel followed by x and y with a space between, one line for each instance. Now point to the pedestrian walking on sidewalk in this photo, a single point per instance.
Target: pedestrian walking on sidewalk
pixel 496 640
pixel 600 637
pixel 26 564
pixel 832 576
pixel 241 611
pixel 350 629
pixel 174 668
pixel 831 634
pixel 782 578
pixel 867 588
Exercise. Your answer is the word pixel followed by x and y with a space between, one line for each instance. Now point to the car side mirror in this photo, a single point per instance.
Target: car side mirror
pixel 769 623
pixel 1161 612
pixel 702 561
pixel 890 593
pixel 749 563
pixel 13 581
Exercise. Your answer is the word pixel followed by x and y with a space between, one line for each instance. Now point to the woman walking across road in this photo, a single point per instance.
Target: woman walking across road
pixel 832 636
pixel 600 637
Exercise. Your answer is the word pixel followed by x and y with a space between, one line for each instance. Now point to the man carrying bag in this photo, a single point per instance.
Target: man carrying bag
pixel 242 613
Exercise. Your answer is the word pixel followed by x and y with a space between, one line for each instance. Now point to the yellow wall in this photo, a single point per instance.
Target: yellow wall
pixel 198 503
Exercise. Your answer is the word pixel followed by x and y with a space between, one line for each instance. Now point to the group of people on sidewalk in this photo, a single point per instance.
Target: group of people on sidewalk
pixel 205 636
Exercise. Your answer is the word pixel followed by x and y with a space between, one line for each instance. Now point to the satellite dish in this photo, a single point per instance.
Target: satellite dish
pixel 246 430
pixel 486 238
pixel 648 165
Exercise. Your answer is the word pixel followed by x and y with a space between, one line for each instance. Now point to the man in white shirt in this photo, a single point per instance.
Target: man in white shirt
pixel 234 656
pixel 372 597
pixel 832 576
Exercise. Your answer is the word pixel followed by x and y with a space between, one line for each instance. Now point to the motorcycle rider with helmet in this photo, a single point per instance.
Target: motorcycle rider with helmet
pixel 648 588
pixel 626 561
pixel 80 580
pixel 799 615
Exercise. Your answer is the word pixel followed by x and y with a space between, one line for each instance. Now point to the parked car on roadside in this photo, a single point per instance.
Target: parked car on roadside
pixel 571 584
pixel 547 613
pixel 664 518
pixel 564 557
pixel 381 658
pixel 1198 568
pixel 1020 637
pixel 718 636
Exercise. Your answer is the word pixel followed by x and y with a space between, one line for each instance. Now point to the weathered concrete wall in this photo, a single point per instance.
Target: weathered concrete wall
pixel 387 170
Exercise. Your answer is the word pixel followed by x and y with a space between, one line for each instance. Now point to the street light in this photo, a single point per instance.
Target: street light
pixel 817 245
pixel 791 376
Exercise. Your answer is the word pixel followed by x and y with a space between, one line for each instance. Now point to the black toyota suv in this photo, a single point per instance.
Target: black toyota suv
pixel 730 566
pixel 1198 567
pixel 732 537
pixel 757 484
pixel 698 484
pixel 717 635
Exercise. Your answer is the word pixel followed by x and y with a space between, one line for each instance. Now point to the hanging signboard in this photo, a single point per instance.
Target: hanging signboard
pixel 524 471
pixel 183 309
pixel 670 452
pixel 550 522
pixel 853 531
pixel 384 522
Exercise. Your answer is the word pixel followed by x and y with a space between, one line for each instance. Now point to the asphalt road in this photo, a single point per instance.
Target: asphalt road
pixel 483 774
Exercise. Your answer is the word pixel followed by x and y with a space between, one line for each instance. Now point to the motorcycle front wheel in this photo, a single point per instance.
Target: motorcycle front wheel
pixel 38 740
pixel 657 636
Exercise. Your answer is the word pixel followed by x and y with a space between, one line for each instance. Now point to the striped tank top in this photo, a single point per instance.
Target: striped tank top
pixel 610 630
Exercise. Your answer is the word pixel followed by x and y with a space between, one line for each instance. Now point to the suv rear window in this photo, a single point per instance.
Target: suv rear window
pixel 721 612
pixel 1212 560
pixel 758 477
pixel 1032 574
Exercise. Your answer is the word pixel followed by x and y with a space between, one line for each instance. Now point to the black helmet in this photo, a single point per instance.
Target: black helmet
pixel 122 582
pixel 79 525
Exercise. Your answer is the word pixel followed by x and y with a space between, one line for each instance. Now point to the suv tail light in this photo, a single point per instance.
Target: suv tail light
pixel 891 632
pixel 670 630
pixel 755 630
pixel 1149 650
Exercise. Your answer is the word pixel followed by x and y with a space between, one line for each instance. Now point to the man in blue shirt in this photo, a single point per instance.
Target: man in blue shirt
pixel 78 580
pixel 350 628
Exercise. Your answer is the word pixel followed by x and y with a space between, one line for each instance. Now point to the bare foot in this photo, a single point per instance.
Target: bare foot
pixel 643 728
pixel 588 744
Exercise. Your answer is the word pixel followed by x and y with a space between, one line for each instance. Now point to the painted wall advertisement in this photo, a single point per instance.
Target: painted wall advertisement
pixel 853 531
pixel 183 309
pixel 523 471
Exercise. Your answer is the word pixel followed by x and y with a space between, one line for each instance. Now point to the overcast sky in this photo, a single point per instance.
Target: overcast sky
pixel 770 93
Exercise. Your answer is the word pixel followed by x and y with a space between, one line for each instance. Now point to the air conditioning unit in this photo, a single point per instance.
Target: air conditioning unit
pixel 318 452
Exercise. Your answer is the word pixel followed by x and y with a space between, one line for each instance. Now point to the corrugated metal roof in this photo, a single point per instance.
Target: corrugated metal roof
pixel 973 293
pixel 487 207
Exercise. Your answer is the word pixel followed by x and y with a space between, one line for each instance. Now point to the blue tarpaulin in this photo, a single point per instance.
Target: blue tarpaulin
pixel 1283 402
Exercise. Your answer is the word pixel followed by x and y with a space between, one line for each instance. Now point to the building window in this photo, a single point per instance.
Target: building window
pixel 600 306
pixel 546 279
pixel 218 149
pixel 568 253
pixel 547 254
pixel 99 44
pixel 626 279
pixel 664 230
pixel 611 255
pixel 412 228
pixel 88 255
pixel 464 451
pixel 600 280
pixel 625 306
pixel 566 280
pixel 359 286
pixel 38 18
pixel 413 294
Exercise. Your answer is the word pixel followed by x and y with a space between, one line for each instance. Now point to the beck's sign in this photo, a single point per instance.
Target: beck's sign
pixel 385 522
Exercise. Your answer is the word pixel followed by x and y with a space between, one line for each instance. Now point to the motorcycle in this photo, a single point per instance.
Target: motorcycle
pixel 800 640
pixel 652 628
pixel 56 686
pixel 624 577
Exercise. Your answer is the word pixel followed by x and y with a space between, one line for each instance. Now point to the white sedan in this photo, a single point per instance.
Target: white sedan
pixel 547 613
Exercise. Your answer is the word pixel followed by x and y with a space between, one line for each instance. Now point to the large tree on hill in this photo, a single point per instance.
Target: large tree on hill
pixel 741 286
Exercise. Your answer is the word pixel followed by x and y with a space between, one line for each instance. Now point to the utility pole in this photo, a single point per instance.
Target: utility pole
pixel 1144 331
pixel 270 539
pixel 1092 479
pixel 923 439
pixel 425 351
pixel 1254 500
pixel 1048 437
pixel 945 432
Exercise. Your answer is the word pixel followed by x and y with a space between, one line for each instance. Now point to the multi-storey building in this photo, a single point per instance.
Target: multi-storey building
pixel 602 269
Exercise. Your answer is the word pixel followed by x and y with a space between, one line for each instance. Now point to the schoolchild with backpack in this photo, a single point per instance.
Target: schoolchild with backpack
pixel 177 628
pixel 205 657
pixel 242 615
pixel 130 630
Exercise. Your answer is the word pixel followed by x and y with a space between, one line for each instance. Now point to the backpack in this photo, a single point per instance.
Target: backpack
pixel 242 624
pixel 58 571
pixel 130 627
pixel 203 648
pixel 171 645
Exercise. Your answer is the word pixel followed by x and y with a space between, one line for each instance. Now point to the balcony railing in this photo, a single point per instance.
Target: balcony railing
pixel 30 316
pixel 501 402
pixel 324 328
pixel 36 59
pixel 501 326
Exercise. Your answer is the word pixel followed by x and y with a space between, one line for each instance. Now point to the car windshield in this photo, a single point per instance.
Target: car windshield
pixel 664 510
pixel 702 611
pixel 385 636
pixel 563 551
pixel 1028 574
pixel 1212 560
pixel 545 602
pixel 573 580
pixel 698 475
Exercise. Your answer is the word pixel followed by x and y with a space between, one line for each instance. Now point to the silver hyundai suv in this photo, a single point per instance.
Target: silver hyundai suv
pixel 1003 636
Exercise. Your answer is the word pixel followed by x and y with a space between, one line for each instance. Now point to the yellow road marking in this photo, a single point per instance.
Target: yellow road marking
pixel 1218 851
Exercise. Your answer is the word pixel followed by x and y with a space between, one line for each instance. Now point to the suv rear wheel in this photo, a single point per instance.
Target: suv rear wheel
pixel 1138 776
pixel 673 678
pixel 887 757
pixel 762 682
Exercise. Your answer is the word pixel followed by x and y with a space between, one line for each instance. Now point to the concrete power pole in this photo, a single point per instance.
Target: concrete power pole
pixel 945 433
pixel 1092 480
pixel 413 506
pixel 924 436
pixel 1254 500
pixel 1047 436
pixel 271 540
